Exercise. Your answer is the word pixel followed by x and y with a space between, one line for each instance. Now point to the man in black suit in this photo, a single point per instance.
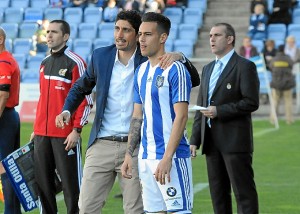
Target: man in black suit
pixel 225 129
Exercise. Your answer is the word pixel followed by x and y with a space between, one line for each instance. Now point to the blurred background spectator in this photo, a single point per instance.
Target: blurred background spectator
pixel 291 49
pixel 281 12
pixel 157 6
pixel 39 38
pixel 259 2
pixel 59 3
pixel 110 11
pixel 247 50
pixel 258 23
pixel 78 3
pixel 269 51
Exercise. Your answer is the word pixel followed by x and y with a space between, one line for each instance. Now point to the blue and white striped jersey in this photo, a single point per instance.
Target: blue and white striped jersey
pixel 158 90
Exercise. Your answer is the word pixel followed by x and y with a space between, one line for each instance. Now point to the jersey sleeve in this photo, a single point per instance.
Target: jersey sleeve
pixel 180 81
pixel 5 73
pixel 136 90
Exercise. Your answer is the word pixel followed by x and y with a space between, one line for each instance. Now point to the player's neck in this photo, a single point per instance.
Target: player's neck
pixel 154 60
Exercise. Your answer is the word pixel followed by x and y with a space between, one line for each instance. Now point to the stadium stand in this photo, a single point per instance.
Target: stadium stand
pixel 11 29
pixel 169 45
pixel 277 32
pixel 83 47
pixel 106 30
pixel 73 15
pixel 19 3
pixel 5 4
pixel 259 44
pixel 21 59
pixel 41 4
pixel 294 30
pixel 97 43
pixel 34 62
pixel 33 14
pixel 22 45
pixel 296 16
pixel 87 30
pixel 27 29
pixel 188 32
pixel 30 75
pixel 53 13
pixel 185 46
pixel 173 32
pixel 193 16
pixel 13 15
pixel 93 15
pixel 8 44
pixel 74 30
pixel 174 14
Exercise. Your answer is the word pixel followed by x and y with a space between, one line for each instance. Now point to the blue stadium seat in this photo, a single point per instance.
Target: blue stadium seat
pixel 70 44
pixel 73 15
pixel 11 29
pixel 22 45
pixel 259 44
pixel 13 15
pixel 1 15
pixel 74 30
pixel 83 47
pixel 8 44
pixel 174 14
pixel 294 30
pixel 53 13
pixel 106 30
pixel 188 31
pixel 101 43
pixel 27 29
pixel 5 4
pixel 34 62
pixel 93 15
pixel 33 14
pixel 277 32
pixel 198 4
pixel 193 16
pixel 169 45
pixel 19 3
pixel 21 60
pixel 87 30
pixel 185 46
pixel 41 4
pixel 173 32
pixel 30 75
pixel 296 16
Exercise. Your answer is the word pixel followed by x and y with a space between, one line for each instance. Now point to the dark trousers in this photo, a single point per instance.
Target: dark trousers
pixel 50 154
pixel 9 142
pixel 230 170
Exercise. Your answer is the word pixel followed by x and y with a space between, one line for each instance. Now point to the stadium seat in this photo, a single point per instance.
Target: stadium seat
pixel 27 29
pixel 264 84
pixel 34 62
pixel 296 16
pixel 30 75
pixel 174 14
pixel 294 30
pixel 277 32
pixel 193 16
pixel 198 4
pixel 106 30
pixel 101 43
pixel 8 44
pixel 93 15
pixel 173 32
pixel 22 45
pixel 13 15
pixel 83 47
pixel 169 45
pixel 21 60
pixel 19 3
pixel 1 15
pixel 188 31
pixel 4 4
pixel 87 30
pixel 73 15
pixel 11 29
pixel 41 4
pixel 33 14
pixel 259 44
pixel 53 13
pixel 74 30
pixel 70 44
pixel 185 46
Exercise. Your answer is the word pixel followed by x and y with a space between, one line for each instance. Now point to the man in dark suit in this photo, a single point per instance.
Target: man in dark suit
pixel 225 129
pixel 111 70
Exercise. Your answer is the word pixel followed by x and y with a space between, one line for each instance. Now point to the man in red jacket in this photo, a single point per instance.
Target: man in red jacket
pixel 56 148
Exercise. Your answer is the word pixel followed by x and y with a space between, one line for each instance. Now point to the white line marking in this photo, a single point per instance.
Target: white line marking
pixel 263 132
pixel 199 187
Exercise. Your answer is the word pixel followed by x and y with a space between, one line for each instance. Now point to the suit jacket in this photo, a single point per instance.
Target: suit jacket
pixel 99 73
pixel 235 96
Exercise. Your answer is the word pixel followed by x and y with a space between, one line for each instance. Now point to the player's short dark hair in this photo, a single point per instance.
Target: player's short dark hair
pixel 163 22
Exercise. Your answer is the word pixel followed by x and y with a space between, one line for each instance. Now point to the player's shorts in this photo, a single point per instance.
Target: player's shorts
pixel 176 196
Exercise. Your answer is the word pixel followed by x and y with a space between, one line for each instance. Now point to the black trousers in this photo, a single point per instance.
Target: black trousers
pixel 50 154
pixel 228 171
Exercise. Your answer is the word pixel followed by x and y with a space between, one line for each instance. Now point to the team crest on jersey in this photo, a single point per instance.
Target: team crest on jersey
pixel 159 81
pixel 62 72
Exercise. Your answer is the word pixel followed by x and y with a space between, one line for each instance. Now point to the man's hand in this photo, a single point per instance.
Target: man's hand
pixel 211 112
pixel 168 58
pixel 31 136
pixel 2 170
pixel 72 140
pixel 62 119
pixel 126 168
pixel 163 171
pixel 193 151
